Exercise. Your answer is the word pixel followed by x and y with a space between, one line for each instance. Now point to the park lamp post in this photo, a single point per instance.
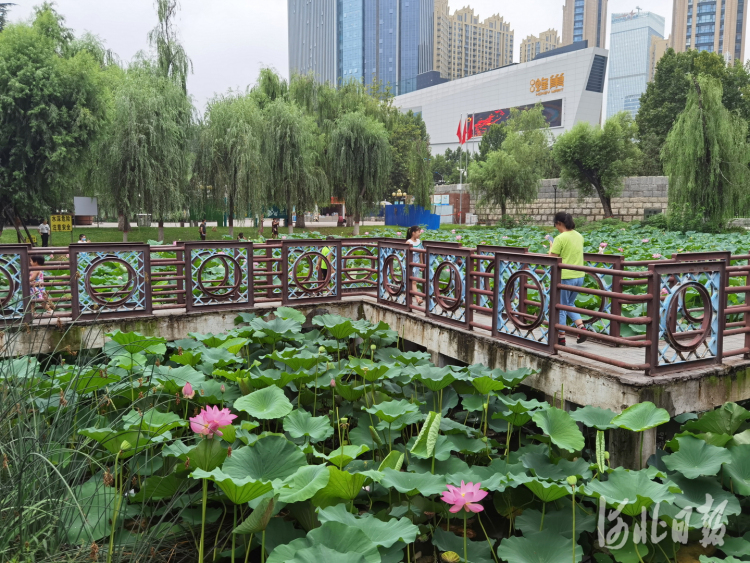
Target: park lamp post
pixel 399 197
pixel 461 172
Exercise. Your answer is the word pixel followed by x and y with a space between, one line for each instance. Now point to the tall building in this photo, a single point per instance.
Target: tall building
pixel 388 42
pixel 630 59
pixel 533 45
pixel 464 45
pixel 585 20
pixel 313 41
pixel 706 26
pixel 657 50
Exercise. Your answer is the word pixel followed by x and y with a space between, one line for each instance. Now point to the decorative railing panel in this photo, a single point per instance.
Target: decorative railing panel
pixel 359 267
pixel 311 271
pixel 602 304
pixel 482 283
pixel 219 275
pixel 683 335
pixel 394 273
pixel 267 272
pixel 15 305
pixel 447 284
pixel 95 265
pixel 525 294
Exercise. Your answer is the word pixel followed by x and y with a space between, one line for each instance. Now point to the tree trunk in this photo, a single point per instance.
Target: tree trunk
pixel 301 220
pixel 14 221
pixel 289 214
pixel 357 219
pixel 503 209
pixel 605 200
pixel 161 230
pixel 260 226
pixel 231 216
pixel 25 228
pixel 124 226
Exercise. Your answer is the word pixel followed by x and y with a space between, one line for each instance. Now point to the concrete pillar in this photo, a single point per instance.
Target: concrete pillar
pixel 625 447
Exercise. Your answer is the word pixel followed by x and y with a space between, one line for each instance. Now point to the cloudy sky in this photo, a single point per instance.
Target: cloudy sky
pixel 229 40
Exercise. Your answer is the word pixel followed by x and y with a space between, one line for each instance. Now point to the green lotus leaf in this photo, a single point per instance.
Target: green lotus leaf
pixel 174 379
pixel 342 485
pixel 694 493
pixel 259 518
pixel 112 439
pixel 557 521
pixel 424 446
pixel 145 466
pixel 633 489
pixel 337 326
pixel 543 468
pixel 391 410
pixel 518 405
pixel 289 313
pixel 194 516
pixel 370 370
pixel 706 559
pixel 695 458
pixel 271 457
pixel 515 377
pixel 561 428
pixel 157 488
pixel 413 483
pixel 341 457
pixel 210 340
pixel 134 343
pixel 297 359
pixel 394 460
pixel 738 469
pixel 640 417
pixel 87 516
pixel 215 358
pixel 741 439
pixel 435 378
pixel 301 424
pixel 718 440
pixel 238 491
pixel 736 547
pixel 547 491
pixel 413 358
pixel 594 417
pixel 317 554
pixel 380 533
pixel 336 537
pixel 207 455
pixel 466 445
pixel 487 384
pixel 478 551
pixel 305 482
pixel 539 547
pixel 266 404
pixel 727 419
pixel 152 421
pixel 473 403
pixel 187 358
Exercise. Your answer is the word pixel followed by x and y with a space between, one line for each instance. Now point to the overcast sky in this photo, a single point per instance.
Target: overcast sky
pixel 229 40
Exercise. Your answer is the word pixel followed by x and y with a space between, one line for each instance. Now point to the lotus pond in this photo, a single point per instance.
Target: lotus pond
pixel 332 444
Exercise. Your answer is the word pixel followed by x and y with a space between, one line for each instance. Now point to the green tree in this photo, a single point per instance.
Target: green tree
pixel 706 156
pixel 228 162
pixel 362 158
pixel 512 174
pixel 406 131
pixel 52 104
pixel 4 7
pixel 492 140
pixel 141 161
pixel 595 160
pixel 291 152
pixel 447 165
pixel 666 97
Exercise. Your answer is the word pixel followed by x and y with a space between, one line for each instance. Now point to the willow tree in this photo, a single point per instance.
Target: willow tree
pixel 706 158
pixel 291 151
pixel 144 146
pixel 361 159
pixel 229 156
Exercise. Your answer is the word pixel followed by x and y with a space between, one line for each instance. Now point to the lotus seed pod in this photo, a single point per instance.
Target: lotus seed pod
pixel 344 420
pixel 572 480
pixel 373 347
pixel 451 557
pixel 486 406
pixel 322 350
pixel 125 445
pixel 484 439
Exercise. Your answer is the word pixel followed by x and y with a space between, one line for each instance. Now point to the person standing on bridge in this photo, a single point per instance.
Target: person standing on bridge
pixel 412 238
pixel 568 245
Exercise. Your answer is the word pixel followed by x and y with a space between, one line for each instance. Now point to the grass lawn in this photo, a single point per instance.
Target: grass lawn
pixel 144 234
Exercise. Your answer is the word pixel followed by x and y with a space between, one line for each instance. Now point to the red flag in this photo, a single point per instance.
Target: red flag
pixel 459 134
pixel 469 130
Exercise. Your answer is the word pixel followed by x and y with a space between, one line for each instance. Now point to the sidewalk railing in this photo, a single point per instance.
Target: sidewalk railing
pixel 679 311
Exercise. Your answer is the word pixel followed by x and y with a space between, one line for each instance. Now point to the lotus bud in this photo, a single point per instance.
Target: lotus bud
pixel 187 463
pixel 223 389
pixel 125 446
pixel 333 383
pixel 606 456
pixel 572 480
pixel 486 406
pixel 229 451
pixel 484 439
pixel 188 391
pixel 322 350
pixel 373 347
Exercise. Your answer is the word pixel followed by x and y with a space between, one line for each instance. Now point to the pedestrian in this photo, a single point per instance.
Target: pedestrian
pixel 82 239
pixel 275 228
pixel 44 231
pixel 412 238
pixel 36 282
pixel 568 245
pixel 241 238
pixel 323 263
pixel 202 230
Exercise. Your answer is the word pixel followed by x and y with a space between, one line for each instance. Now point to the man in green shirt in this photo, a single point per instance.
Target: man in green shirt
pixel 568 245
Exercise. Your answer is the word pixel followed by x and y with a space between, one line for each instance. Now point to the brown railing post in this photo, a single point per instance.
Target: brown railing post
pixel 653 308
pixel 616 308
pixel 181 269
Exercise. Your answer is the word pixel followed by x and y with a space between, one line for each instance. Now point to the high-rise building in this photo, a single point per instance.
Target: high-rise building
pixel 533 45
pixel 709 25
pixel 657 50
pixel 630 59
pixel 388 42
pixel 585 20
pixel 464 45
pixel 313 40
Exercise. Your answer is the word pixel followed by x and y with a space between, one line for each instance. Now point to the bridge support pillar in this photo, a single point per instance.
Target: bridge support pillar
pixel 625 447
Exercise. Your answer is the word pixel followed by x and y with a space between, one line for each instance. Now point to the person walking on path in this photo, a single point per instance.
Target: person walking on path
pixel 412 238
pixel 568 245
pixel 275 228
pixel 202 230
pixel 44 231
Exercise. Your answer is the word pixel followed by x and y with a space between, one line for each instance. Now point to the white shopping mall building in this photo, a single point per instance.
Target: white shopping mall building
pixel 568 82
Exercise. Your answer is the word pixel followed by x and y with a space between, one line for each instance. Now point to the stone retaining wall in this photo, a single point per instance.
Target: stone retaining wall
pixel 639 194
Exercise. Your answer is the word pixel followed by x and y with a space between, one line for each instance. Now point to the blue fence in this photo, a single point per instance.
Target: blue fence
pixel 408 215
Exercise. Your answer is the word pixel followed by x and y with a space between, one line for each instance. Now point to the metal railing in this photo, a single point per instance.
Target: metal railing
pixel 662 315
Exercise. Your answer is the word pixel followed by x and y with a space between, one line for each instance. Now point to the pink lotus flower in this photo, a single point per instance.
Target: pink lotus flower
pixel 187 391
pixel 367 233
pixel 644 241
pixel 506 238
pixel 453 231
pixel 621 250
pixel 283 236
pixel 664 291
pixel 602 245
pixel 467 497
pixel 333 383
pixel 458 237
pixel 656 256
pixel 210 419
pixel 398 233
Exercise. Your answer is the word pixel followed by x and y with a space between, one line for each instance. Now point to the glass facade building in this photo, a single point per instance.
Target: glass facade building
pixel 716 26
pixel 585 20
pixel 630 59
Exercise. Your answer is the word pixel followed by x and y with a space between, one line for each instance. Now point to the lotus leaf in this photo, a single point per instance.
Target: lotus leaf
pixel 413 483
pixel 738 469
pixel 301 424
pixel 479 551
pixel 342 456
pixel 539 547
pixel 434 378
pixel 380 533
pixel 259 517
pixel 152 421
pixel 134 343
pixel 557 521
pixel 560 427
pixel 547 491
pixel 594 417
pixel 424 446
pixel 333 535
pixel 640 417
pixel 238 490
pixel 269 458
pixel 695 458
pixel 391 410
pixel 304 483
pixel 341 485
pixel 633 489
pixel 266 404
pixel 289 313
pixel 337 326
pixel 724 420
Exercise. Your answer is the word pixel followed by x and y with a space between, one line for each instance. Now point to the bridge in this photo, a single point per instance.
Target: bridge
pixel 674 331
